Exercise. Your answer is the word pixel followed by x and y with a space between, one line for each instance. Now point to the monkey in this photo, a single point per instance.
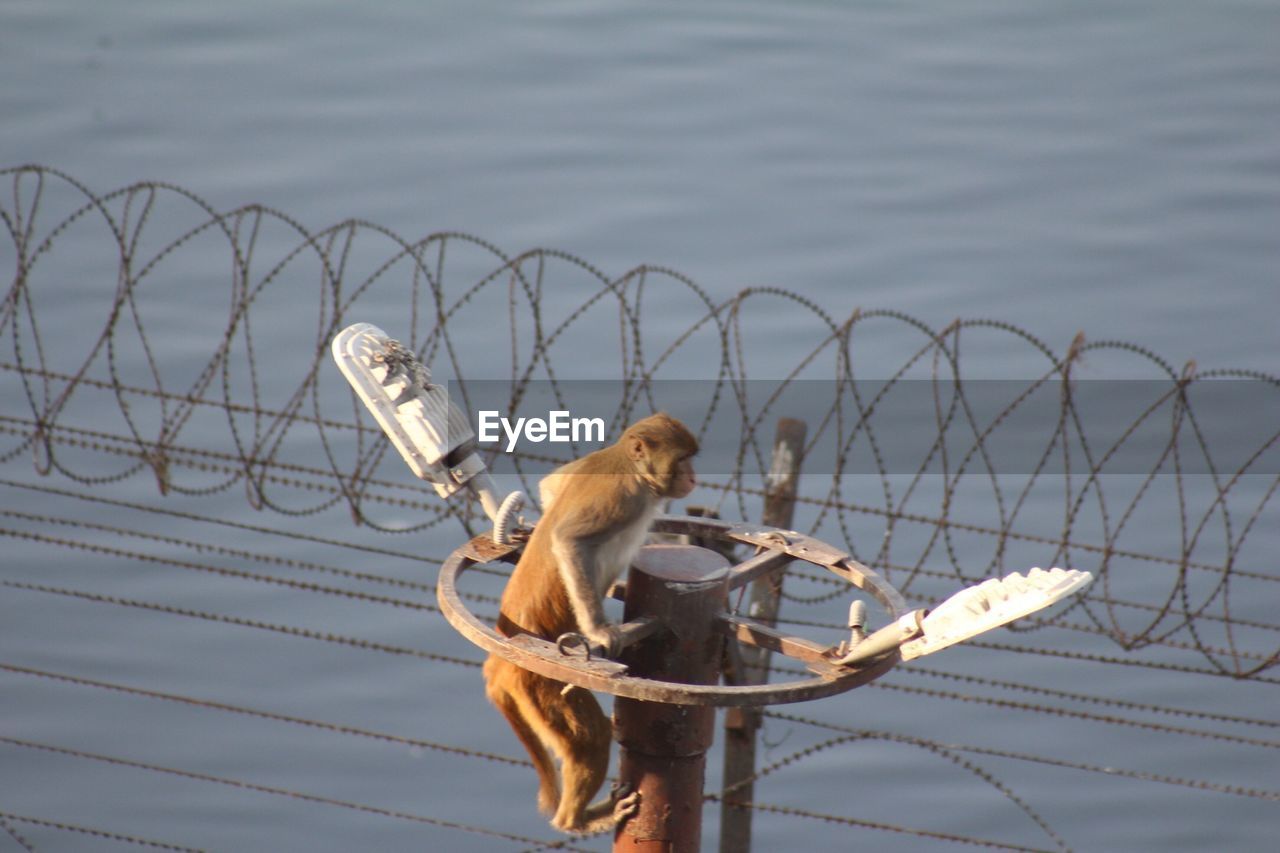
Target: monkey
pixel 596 513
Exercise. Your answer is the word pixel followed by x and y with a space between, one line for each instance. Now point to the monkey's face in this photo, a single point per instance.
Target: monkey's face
pixel 662 450
pixel 683 480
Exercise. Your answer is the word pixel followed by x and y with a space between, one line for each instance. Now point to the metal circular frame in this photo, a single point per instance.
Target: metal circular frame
pixel 777 549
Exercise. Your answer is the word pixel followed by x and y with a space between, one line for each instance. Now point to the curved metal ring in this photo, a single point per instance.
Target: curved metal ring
pixel 545 658
pixel 573 638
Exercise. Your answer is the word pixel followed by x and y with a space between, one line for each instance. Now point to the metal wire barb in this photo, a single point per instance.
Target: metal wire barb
pixel 155 406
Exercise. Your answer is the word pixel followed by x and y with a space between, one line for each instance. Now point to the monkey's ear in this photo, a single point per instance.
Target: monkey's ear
pixel 636 449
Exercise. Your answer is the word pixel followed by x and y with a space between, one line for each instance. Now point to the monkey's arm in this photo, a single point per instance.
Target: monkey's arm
pixel 579 570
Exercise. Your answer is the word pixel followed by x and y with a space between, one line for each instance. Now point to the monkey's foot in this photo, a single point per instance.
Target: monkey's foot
pixel 621 804
pixel 624 807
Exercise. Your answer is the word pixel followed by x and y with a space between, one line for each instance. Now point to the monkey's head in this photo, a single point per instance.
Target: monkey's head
pixel 662 450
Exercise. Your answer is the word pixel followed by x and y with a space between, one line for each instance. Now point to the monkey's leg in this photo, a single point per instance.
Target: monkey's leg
pixel 581 735
pixel 504 683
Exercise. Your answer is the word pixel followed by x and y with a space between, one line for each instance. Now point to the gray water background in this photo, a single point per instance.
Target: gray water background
pixel 1106 167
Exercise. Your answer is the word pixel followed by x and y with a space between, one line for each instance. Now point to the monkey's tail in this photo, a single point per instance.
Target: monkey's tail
pixel 498 675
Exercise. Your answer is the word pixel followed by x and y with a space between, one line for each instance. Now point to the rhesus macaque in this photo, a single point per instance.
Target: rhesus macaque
pixel 596 513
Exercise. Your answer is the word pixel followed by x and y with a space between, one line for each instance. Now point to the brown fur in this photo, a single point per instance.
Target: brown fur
pixel 597 510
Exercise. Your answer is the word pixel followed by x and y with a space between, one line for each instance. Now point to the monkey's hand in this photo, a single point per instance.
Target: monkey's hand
pixel 607 636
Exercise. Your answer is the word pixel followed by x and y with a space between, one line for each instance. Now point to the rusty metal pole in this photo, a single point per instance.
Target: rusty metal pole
pixel 741 724
pixel 662 746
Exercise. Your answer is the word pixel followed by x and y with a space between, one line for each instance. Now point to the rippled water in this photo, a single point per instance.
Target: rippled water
pixel 1106 167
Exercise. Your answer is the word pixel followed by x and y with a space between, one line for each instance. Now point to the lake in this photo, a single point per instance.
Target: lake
pixel 204 649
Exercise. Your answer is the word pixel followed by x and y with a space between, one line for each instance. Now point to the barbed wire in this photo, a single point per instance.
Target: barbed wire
pixel 194 389
pixel 7 818
pixel 272 790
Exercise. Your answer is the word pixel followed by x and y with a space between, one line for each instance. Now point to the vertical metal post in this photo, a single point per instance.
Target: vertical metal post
pixel 662 746
pixel 741 724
